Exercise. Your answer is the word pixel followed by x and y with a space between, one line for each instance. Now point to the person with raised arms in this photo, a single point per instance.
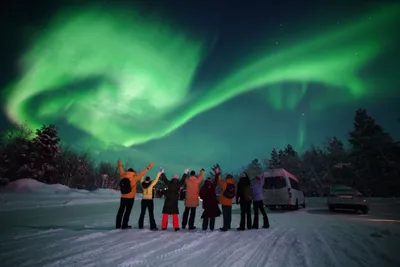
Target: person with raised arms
pixel 192 198
pixel 147 200
pixel 171 199
pixel 128 192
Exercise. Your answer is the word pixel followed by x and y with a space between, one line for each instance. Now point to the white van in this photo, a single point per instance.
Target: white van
pixel 282 188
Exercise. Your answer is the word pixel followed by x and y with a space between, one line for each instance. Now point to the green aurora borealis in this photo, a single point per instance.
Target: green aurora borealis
pixel 128 79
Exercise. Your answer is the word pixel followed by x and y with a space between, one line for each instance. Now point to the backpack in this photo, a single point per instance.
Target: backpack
pixel 230 191
pixel 125 186
pixel 247 193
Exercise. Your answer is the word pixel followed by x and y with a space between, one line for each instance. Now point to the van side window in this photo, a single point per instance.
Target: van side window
pixel 294 184
pixel 276 182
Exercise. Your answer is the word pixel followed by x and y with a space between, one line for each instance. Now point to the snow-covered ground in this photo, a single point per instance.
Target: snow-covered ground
pixel 58 232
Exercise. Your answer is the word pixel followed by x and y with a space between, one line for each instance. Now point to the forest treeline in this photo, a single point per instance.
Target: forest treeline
pixel 370 161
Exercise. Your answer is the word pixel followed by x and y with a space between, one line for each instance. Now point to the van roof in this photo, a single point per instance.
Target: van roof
pixel 280 172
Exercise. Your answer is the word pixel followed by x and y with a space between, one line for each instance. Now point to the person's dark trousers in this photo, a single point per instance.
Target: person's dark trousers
pixel 258 206
pixel 245 215
pixel 124 211
pixel 227 217
pixel 208 221
pixel 147 204
pixel 192 212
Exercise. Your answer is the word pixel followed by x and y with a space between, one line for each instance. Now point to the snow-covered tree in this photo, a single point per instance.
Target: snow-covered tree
pixel 274 161
pixel 44 154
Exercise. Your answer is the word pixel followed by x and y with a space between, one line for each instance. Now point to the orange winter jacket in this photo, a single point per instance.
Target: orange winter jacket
pixel 133 177
pixel 192 190
pixel 222 199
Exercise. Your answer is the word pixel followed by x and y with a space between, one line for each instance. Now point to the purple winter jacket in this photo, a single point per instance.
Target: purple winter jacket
pixel 257 189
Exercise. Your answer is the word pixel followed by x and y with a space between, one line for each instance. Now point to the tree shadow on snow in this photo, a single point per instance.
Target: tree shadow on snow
pixel 67 227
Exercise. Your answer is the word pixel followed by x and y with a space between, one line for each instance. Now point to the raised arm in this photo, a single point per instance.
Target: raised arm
pixel 183 179
pixel 184 176
pixel 201 176
pixel 164 179
pixel 121 169
pixel 143 172
pixel 262 179
pixel 155 181
pixel 216 177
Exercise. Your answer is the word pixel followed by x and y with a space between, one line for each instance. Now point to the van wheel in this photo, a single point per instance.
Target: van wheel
pixel 304 204
pixel 296 206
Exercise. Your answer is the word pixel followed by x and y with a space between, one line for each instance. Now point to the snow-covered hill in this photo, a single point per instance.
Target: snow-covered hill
pixel 29 193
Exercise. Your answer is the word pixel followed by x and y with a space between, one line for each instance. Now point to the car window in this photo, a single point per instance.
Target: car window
pixel 294 184
pixel 276 182
pixel 342 190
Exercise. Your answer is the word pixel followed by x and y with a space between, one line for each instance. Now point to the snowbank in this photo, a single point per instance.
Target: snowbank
pixel 29 193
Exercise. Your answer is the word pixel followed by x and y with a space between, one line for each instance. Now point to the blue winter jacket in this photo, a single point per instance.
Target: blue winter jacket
pixel 257 189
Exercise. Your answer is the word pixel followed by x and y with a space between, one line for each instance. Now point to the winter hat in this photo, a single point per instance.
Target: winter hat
pixel 175 176
pixel 229 176
pixel 192 173
pixel 131 170
pixel 147 179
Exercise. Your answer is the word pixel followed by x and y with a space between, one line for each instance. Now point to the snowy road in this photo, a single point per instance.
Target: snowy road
pixel 80 235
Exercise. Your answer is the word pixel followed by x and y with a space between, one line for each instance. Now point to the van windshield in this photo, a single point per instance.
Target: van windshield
pixel 276 182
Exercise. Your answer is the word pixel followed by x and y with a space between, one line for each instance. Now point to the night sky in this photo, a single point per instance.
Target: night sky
pixel 190 84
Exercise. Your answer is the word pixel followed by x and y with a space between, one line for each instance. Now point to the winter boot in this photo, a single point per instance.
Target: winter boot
pixel 164 229
pixel 154 229
pixel 177 229
pixel 240 229
pixel 192 227
pixel 126 227
pixel 266 223
pixel 223 229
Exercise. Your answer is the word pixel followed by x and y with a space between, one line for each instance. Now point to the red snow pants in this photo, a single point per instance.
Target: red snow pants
pixel 175 221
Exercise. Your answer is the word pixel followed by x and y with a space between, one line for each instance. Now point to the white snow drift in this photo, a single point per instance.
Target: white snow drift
pixel 29 193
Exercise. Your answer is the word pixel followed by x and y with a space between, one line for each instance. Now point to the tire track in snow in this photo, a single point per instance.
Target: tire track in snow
pixel 108 246
pixel 168 252
pixel 328 248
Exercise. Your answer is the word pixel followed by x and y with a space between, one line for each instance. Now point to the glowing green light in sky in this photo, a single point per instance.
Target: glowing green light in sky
pixel 117 75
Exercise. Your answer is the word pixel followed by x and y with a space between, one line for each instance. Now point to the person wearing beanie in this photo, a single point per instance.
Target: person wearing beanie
pixel 147 200
pixel 210 204
pixel 244 198
pixel 171 199
pixel 228 192
pixel 258 204
pixel 192 198
pixel 128 192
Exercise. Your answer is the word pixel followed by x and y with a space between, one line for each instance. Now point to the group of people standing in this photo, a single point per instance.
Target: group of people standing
pixel 245 193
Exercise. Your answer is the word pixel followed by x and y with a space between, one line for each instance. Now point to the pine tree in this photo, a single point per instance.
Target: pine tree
pixel 290 160
pixel 336 152
pixel 45 153
pixel 253 169
pixel 314 171
pixel 274 162
pixel 16 160
pixel 370 154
